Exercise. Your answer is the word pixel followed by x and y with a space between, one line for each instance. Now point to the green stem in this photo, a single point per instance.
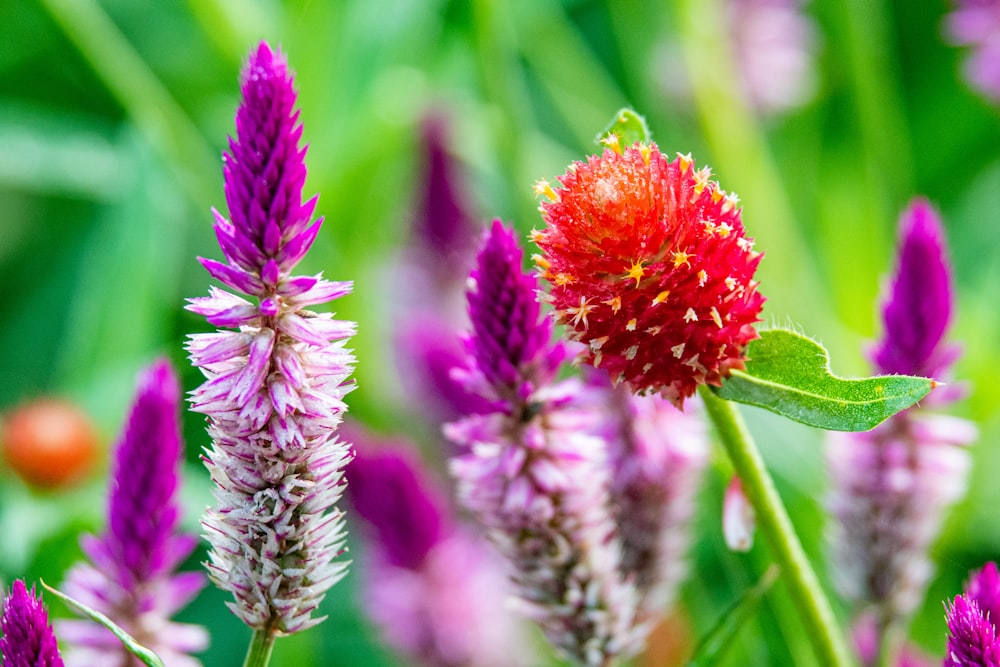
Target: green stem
pixel 803 586
pixel 259 653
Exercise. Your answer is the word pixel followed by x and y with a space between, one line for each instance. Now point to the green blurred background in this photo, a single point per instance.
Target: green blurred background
pixel 114 114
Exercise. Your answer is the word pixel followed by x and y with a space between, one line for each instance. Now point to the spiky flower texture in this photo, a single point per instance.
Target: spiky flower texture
pixel 27 639
pixel 650 267
pixel 277 374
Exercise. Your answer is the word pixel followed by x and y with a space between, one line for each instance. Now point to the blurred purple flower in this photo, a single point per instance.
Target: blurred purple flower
pixel 435 592
pixel 27 639
pixel 892 485
pixel 976 24
pixel 657 454
pixel 405 513
pixel 443 233
pixel 774 46
pixel 277 374
pixel 918 309
pixel 984 589
pixel 131 575
pixel 428 286
pixel 534 475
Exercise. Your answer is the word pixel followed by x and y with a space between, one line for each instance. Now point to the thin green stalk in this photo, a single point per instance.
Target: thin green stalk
pixel 259 653
pixel 774 523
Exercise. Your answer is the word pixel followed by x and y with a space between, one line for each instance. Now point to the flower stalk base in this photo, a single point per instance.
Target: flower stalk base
pixel 261 645
pixel 773 520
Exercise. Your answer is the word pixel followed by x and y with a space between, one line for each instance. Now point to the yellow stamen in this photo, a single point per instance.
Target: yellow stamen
pixel 636 272
pixel 542 187
pixel 681 257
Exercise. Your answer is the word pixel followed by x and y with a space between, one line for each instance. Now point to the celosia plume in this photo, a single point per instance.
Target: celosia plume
pixel 27 639
pixel 534 475
pixel 277 374
pixel 131 575
pixel 917 311
pixel 650 267
pixel 892 485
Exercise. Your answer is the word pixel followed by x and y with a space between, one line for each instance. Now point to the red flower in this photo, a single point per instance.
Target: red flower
pixel 650 267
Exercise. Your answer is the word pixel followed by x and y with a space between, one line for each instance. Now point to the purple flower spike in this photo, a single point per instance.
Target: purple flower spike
pixel 27 639
pixel 918 309
pixel 510 338
pixel 534 475
pixel 130 577
pixel 442 230
pixel 972 637
pixel 276 383
pixel 892 486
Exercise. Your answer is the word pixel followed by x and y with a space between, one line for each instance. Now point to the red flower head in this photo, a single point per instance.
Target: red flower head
pixel 650 267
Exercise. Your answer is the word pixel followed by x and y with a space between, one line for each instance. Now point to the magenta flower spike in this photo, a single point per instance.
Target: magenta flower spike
pixel 892 485
pixel 971 617
pixel 427 287
pixel 131 575
pixel 276 374
pixel 27 639
pixel 918 310
pixel 415 547
pixel 972 636
pixel 533 474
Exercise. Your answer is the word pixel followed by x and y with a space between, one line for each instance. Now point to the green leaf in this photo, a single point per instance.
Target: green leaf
pixel 789 374
pixel 712 647
pixel 147 657
pixel 628 126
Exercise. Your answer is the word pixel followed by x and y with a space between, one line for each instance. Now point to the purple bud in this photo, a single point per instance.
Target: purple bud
pixel 27 639
pixel 917 311
pixel 508 333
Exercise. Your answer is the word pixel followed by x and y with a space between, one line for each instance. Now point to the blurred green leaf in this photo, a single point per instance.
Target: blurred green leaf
pixel 789 374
